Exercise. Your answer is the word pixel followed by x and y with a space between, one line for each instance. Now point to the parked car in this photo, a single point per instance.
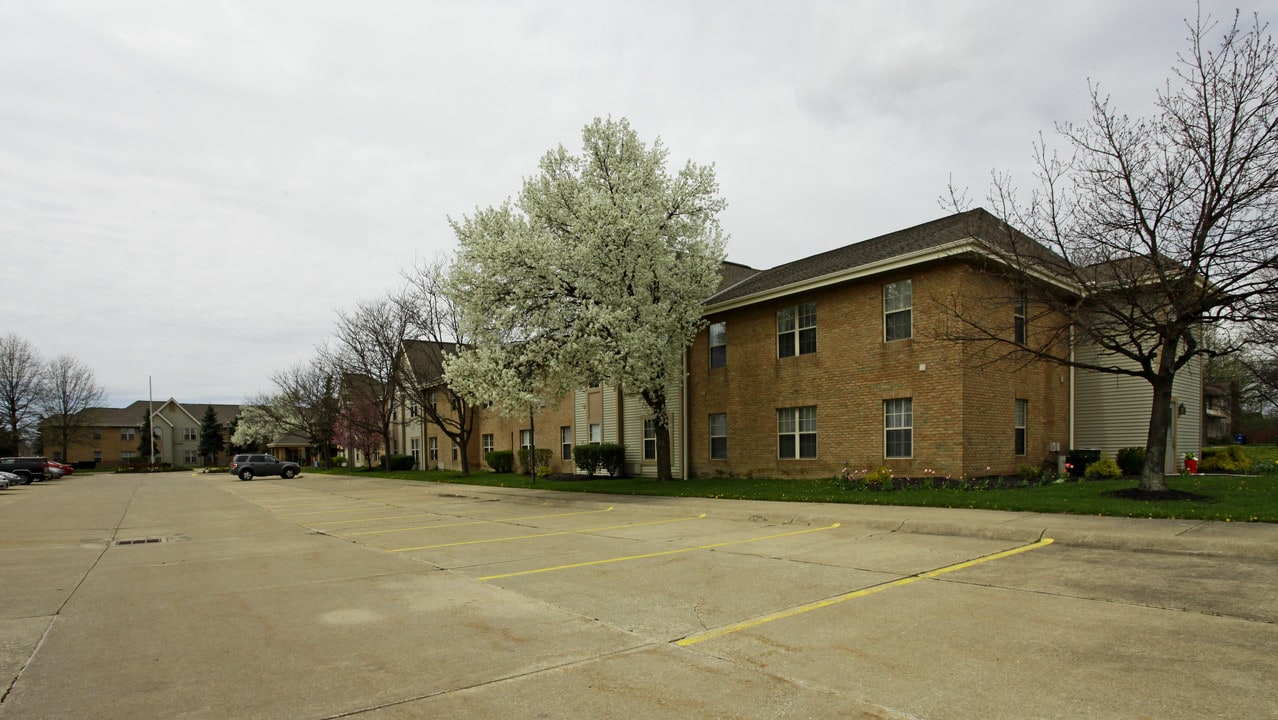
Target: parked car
pixel 35 468
pixel 15 480
pixel 5 483
pixel 65 468
pixel 52 472
pixel 248 466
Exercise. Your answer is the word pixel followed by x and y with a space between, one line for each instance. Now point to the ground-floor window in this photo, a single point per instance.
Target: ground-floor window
pixel 525 439
pixel 190 457
pixel 486 442
pixel 1022 410
pixel 565 442
pixel 432 449
pixel 415 449
pixel 797 432
pixel 898 427
pixel 719 436
pixel 650 439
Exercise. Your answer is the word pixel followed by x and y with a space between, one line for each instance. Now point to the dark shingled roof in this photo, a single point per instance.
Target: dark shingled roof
pixel 427 359
pixel 977 223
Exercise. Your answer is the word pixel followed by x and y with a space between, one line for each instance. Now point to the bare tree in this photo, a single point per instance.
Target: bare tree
pixel 307 403
pixel 437 320
pixel 367 357
pixel 70 388
pixel 1160 228
pixel 21 377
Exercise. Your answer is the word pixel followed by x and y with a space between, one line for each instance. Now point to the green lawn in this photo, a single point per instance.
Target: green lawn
pixel 1234 498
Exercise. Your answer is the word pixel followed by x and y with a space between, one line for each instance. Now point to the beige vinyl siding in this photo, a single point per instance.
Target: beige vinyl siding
pixel 635 411
pixel 1112 411
pixel 580 417
pixel 611 432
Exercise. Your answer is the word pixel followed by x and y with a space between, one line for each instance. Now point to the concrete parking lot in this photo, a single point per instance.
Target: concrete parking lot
pixel 181 595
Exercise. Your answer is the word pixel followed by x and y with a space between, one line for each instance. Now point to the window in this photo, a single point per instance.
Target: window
pixel 454 452
pixel 486 442
pixel 594 433
pixel 127 455
pixel 128 434
pixel 1022 410
pixel 188 434
pixel 649 439
pixel 190 456
pixel 898 426
pixel 898 299
pixel 565 442
pixel 97 456
pixel 797 432
pixel 97 433
pixel 413 410
pixel 719 436
pixel 1020 332
pixel 415 449
pixel 718 345
pixel 796 330
pixel 432 449
pixel 525 439
pixel 434 400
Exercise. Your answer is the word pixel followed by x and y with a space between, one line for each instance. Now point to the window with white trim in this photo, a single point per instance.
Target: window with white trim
pixel 898 427
pixel 525 439
pixel 1020 327
pixel 1022 413
pixel 796 330
pixel 797 432
pixel 565 442
pixel 898 302
pixel 595 433
pixel 188 434
pixel 486 442
pixel 432 449
pixel 128 434
pixel 650 439
pixel 415 449
pixel 719 436
pixel 718 344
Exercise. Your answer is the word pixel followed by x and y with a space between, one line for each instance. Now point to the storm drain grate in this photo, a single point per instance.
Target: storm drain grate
pixel 139 541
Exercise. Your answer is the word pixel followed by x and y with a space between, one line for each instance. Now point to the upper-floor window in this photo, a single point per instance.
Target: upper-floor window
pixel 413 410
pixel 649 439
pixel 797 432
pixel 898 427
pixel 188 433
pixel 898 301
pixel 719 436
pixel 718 344
pixel 1020 332
pixel 128 434
pixel 796 330
pixel 1022 412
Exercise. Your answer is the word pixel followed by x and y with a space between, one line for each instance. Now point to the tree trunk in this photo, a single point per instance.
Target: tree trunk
pixel 1153 477
pixel 664 471
pixel 532 449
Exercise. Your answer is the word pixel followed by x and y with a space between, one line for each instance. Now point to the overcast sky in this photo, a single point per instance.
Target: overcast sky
pixel 189 190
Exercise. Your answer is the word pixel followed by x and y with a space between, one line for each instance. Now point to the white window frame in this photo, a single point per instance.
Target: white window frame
pixel 898 417
pixel 486 442
pixel 797 326
pixel 719 343
pixel 432 449
pixel 719 433
pixel 1020 422
pixel 525 439
pixel 415 449
pixel 898 300
pixel 797 424
pixel 565 442
pixel 650 439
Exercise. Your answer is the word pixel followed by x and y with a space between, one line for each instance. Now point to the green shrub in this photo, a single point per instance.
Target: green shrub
pixel 339 461
pixel 880 478
pixel 612 457
pixel 1079 460
pixel 1230 459
pixel 501 461
pixel 400 462
pixel 587 458
pixel 1131 460
pixel 1104 468
pixel 543 458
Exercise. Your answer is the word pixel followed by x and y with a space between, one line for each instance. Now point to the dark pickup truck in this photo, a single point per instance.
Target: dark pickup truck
pixel 35 469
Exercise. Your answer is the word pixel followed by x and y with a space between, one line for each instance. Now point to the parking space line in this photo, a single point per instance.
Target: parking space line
pixel 352 508
pixel 471 522
pixel 550 534
pixel 799 610
pixel 654 554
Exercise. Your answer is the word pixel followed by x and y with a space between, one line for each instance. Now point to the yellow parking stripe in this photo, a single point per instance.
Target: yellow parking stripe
pixel 473 522
pixel 352 508
pixel 655 554
pixel 550 534
pixel 756 622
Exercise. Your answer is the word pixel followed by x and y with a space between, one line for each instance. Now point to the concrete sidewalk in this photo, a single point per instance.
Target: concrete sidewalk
pixel 1256 541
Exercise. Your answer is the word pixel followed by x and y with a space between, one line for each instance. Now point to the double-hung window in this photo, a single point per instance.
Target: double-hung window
pixel 525 439
pixel 1020 329
pixel 796 330
pixel 486 442
pixel 415 446
pixel 432 446
pixel 565 442
pixel 650 439
pixel 797 432
pixel 1022 410
pixel 719 436
pixel 718 344
pixel 188 433
pixel 898 302
pixel 898 427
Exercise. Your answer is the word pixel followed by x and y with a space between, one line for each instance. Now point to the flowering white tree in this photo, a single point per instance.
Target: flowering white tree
pixel 597 274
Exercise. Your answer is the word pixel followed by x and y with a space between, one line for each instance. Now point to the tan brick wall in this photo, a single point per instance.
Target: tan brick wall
pixel 505 433
pixel 962 416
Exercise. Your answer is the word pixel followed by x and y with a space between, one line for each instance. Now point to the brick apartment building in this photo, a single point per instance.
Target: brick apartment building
pixel 840 358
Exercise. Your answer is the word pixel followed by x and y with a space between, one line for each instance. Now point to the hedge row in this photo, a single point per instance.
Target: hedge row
pixel 605 456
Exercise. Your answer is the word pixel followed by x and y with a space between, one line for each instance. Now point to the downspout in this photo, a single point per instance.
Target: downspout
pixel 683 414
pixel 1072 369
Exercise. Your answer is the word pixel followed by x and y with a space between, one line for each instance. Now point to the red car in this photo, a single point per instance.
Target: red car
pixel 65 468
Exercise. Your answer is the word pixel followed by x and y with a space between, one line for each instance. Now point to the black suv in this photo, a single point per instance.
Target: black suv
pixel 246 466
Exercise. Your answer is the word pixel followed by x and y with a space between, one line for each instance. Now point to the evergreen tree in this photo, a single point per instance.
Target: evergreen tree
pixel 211 442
